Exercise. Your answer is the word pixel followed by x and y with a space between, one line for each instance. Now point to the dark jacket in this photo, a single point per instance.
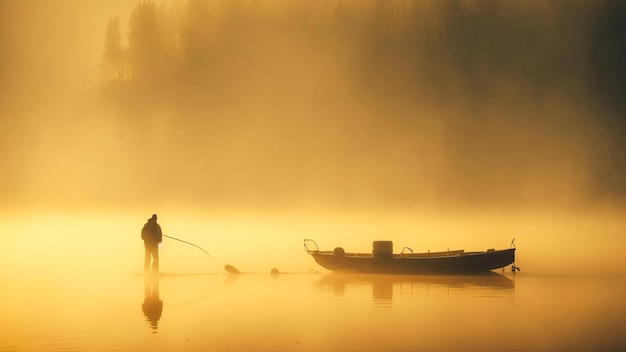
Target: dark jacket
pixel 151 232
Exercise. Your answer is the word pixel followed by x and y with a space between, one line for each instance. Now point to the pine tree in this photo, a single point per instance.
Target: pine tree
pixel 145 46
pixel 114 61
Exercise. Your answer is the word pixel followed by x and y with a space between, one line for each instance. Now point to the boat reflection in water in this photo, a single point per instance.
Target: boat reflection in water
pixel 152 305
pixel 383 286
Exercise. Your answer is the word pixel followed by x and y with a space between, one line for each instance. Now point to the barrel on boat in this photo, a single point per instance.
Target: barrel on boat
pixel 382 248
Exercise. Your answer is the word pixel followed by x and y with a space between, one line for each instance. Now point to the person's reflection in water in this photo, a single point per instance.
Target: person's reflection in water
pixel 152 304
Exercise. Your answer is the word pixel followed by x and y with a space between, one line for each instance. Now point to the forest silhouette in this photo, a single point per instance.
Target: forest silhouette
pixel 472 44
pixel 467 101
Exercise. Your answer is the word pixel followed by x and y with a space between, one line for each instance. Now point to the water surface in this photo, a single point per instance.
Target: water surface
pixel 312 312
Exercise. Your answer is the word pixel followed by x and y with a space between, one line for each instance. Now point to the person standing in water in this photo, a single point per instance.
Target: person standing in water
pixel 151 235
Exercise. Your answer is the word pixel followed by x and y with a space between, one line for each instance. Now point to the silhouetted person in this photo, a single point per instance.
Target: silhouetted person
pixel 152 306
pixel 151 235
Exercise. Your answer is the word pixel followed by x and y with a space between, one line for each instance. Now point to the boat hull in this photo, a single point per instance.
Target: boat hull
pixel 458 264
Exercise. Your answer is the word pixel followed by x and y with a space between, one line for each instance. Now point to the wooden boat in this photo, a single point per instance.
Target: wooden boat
pixel 382 260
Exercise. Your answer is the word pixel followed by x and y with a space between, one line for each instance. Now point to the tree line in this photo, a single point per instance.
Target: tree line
pixel 439 53
pixel 438 42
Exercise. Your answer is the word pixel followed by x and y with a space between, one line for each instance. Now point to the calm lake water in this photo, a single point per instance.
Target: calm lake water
pixel 312 312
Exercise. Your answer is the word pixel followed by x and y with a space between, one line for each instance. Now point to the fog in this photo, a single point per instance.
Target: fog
pixel 465 113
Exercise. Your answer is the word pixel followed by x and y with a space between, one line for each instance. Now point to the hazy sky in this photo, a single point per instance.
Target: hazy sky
pixel 317 104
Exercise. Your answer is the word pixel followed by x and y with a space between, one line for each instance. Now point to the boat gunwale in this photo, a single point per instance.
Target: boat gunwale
pixel 408 256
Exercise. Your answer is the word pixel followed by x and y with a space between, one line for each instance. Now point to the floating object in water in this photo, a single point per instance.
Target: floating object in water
pixel 231 269
pixel 274 272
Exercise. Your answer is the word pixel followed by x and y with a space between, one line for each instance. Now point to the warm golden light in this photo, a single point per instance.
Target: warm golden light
pixel 249 126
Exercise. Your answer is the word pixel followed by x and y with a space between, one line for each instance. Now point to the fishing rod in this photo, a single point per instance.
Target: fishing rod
pixel 191 244
pixel 231 269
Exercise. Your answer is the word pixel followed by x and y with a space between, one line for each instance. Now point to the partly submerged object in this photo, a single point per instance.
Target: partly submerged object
pixel 382 260
pixel 231 269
